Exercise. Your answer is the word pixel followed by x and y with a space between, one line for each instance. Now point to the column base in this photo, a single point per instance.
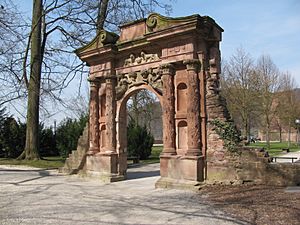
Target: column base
pixel 170 183
pixel 106 178
pixel 92 151
pixel 182 168
pixel 169 151
pixel 193 152
pixel 104 166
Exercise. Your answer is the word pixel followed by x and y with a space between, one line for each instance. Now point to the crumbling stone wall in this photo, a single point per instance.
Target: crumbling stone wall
pixel 253 167
pixel 216 108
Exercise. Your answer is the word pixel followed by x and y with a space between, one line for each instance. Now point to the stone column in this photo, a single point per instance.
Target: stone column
pixel 94 117
pixel 168 108
pixel 110 114
pixel 193 108
pixel 203 113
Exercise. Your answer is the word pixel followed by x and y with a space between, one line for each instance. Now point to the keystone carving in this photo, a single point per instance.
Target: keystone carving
pixel 129 80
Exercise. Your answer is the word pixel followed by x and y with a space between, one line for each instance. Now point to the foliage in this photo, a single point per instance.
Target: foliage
pixel 239 83
pixel 228 133
pixel 12 136
pixel 141 106
pixel 140 140
pixel 67 134
pixel 259 96
pixel 47 142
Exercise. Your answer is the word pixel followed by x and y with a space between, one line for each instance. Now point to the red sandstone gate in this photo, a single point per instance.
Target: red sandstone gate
pixel 172 57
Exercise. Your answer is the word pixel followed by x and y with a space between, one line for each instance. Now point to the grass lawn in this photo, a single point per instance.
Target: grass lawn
pixel 154 157
pixel 56 162
pixel 276 147
pixel 46 162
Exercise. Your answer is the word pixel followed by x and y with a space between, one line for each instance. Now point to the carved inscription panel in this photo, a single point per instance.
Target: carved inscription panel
pixel 177 48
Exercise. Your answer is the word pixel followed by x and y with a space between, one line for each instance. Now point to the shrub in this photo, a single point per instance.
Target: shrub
pixel 47 142
pixel 12 137
pixel 67 134
pixel 140 141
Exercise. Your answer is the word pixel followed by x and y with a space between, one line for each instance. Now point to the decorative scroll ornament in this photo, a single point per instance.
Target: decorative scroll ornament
pixel 143 58
pixel 106 37
pixel 151 22
pixel 103 38
pixel 145 77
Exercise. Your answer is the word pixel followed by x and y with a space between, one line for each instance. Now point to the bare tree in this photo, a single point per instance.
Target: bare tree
pixel 288 104
pixel 269 84
pixel 140 108
pixel 73 22
pixel 239 88
pixel 12 44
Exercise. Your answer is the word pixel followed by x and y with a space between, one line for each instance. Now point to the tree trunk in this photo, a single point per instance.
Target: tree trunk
pixel 268 136
pixel 31 151
pixel 280 134
pixel 289 135
pixel 102 11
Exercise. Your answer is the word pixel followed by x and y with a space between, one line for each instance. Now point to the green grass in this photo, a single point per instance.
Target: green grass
pixel 154 157
pixel 276 147
pixel 46 162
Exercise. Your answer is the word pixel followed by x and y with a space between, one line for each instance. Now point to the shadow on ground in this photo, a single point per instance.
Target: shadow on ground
pixel 137 171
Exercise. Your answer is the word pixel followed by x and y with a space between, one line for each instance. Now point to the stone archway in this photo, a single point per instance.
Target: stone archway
pixel 121 122
pixel 171 56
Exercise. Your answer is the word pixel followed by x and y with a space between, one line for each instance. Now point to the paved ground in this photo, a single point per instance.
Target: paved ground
pixel 31 196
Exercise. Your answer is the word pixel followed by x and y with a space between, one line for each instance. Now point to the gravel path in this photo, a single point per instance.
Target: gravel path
pixel 32 196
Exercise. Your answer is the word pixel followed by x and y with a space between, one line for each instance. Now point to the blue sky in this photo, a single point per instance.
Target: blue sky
pixel 261 27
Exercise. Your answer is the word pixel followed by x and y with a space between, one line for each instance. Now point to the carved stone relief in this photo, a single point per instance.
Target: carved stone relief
pixel 150 77
pixel 143 58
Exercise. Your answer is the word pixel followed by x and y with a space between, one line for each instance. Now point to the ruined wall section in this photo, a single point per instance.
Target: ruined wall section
pixel 216 108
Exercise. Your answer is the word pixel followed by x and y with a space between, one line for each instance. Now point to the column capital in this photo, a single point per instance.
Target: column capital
pixel 110 77
pixel 192 64
pixel 167 69
pixel 93 81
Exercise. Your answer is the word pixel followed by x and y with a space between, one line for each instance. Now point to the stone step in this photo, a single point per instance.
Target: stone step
pixel 74 161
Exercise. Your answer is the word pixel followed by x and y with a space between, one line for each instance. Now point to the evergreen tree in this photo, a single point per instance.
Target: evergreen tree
pixel 67 134
pixel 140 140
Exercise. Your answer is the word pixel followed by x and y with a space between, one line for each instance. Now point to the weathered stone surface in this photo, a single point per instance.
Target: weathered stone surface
pixel 94 117
pixel 178 59
pixel 193 108
pixel 168 106
pixel 162 55
pixel 77 159
pixel 110 114
pixel 251 166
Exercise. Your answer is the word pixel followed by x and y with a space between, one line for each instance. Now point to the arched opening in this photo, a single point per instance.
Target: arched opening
pixel 181 97
pixel 142 107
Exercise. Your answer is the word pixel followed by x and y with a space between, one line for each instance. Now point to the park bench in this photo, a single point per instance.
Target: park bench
pixel 286 150
pixel 274 158
pixel 134 159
